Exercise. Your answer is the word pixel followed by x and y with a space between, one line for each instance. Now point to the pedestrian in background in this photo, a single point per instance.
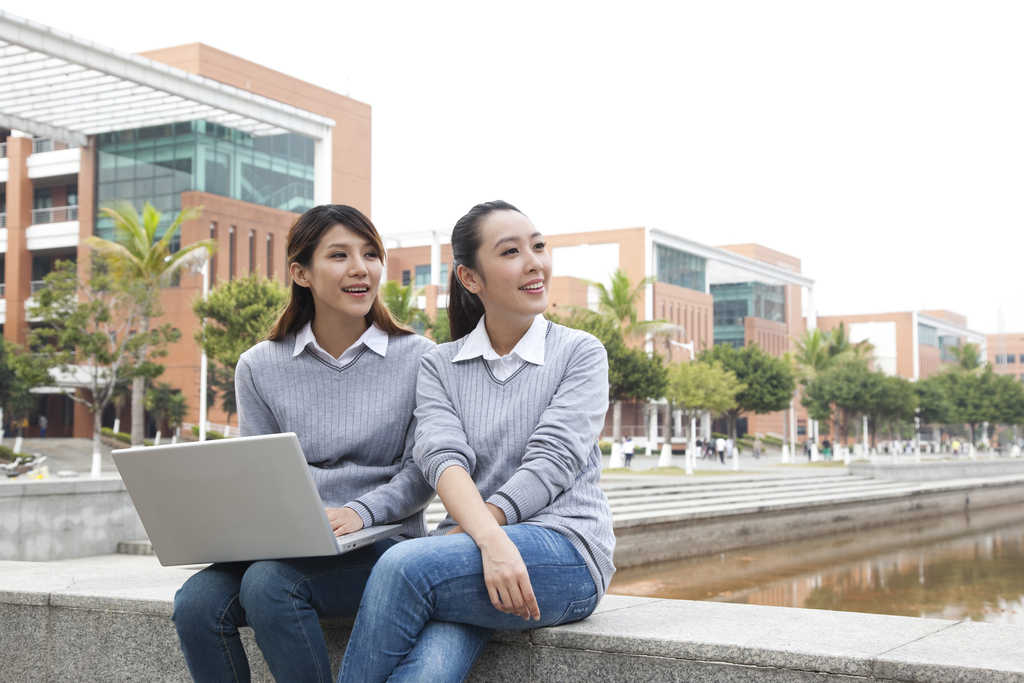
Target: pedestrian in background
pixel 757 446
pixel 720 449
pixel 627 449
pixel 43 424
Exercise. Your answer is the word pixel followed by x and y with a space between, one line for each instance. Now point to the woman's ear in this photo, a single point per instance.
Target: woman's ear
pixel 298 274
pixel 469 279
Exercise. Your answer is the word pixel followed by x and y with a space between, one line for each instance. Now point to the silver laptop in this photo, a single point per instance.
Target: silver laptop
pixel 229 500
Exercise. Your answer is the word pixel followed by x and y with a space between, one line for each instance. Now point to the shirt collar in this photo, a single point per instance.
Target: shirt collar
pixel 530 348
pixel 374 338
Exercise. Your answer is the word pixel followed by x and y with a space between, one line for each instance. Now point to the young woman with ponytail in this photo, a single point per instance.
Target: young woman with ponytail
pixel 339 371
pixel 508 419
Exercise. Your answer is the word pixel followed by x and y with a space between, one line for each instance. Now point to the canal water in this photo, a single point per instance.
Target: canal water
pixel 956 567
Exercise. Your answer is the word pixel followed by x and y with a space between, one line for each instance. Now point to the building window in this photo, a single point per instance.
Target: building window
pixel 42 198
pixel 927 335
pixel 158 163
pixel 680 268
pixel 72 195
pixel 423 275
pixel 270 255
pixel 406 277
pixel 231 253
pixel 252 251
pixel 1011 358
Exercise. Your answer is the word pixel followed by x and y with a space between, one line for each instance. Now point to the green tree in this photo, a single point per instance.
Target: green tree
pixel 968 357
pixel 768 380
pixel 699 386
pixel 439 328
pixel 137 254
pixel 894 404
pixel 633 375
pixel 237 315
pixel 95 323
pixel 158 402
pixel 933 400
pixel 20 372
pixel 619 301
pixel 970 396
pixel 401 301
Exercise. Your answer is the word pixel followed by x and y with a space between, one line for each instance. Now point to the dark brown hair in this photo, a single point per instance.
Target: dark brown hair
pixel 303 239
pixel 464 307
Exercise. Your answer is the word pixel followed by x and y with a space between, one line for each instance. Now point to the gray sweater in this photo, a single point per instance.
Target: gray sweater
pixel 355 423
pixel 530 442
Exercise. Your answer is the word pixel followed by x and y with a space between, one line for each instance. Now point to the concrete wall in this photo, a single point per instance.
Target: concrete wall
pixel 937 471
pixel 85 623
pixel 54 520
pixel 672 537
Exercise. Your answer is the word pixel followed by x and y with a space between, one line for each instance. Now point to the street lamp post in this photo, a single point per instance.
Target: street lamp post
pixel 203 361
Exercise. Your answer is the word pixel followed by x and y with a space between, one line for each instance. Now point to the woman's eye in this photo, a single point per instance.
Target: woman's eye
pixel 513 250
pixel 371 254
pixel 540 246
pixel 338 254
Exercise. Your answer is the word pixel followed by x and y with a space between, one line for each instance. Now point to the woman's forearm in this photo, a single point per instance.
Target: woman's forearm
pixel 463 502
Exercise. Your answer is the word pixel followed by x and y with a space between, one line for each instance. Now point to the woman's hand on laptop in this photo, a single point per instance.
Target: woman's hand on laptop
pixel 344 520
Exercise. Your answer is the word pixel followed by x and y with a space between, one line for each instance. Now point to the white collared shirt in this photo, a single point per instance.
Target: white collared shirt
pixel 529 349
pixel 374 338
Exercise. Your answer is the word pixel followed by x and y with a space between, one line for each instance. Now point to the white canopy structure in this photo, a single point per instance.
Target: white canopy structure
pixel 56 85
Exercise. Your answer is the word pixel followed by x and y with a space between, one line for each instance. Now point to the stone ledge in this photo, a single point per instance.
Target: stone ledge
pixel 935 471
pixel 88 623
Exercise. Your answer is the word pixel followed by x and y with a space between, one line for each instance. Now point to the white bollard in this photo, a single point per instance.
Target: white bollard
pixel 846 456
pixel 735 459
pixel 96 461
pixel 117 425
pixel 814 453
pixel 156 441
pixel 616 459
pixel 972 452
pixel 785 454
pixel 17 444
pixel 665 459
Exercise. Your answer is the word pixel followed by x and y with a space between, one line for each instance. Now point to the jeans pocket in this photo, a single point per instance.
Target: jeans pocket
pixel 578 609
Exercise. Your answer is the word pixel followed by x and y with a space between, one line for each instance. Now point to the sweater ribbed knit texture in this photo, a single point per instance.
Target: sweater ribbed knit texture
pixel 530 442
pixel 355 423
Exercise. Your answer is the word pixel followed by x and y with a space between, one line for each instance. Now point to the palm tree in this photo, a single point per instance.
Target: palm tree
pixel 137 254
pixel 812 355
pixel 401 301
pixel 619 301
pixel 968 357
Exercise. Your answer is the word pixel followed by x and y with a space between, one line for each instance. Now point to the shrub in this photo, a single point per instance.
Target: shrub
pixel 606 447
pixel 209 434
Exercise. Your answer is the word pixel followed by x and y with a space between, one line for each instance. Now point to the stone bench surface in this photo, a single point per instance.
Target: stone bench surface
pixel 626 639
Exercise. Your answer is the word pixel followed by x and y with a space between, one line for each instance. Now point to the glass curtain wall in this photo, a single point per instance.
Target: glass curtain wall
pixel 736 301
pixel 680 268
pixel 158 163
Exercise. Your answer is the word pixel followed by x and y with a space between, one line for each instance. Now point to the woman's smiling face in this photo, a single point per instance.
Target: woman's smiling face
pixel 343 275
pixel 514 267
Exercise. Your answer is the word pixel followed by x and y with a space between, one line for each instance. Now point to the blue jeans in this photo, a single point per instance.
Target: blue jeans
pixel 282 600
pixel 426 615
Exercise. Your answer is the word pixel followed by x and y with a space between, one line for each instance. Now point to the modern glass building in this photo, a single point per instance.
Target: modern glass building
pixel 681 268
pixel 735 302
pixel 158 163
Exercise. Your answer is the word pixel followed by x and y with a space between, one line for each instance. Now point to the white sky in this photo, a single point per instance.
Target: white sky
pixel 880 142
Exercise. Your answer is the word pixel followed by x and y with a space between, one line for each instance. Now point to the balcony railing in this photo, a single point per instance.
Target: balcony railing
pixel 3 150
pixel 3 290
pixel 49 145
pixel 36 285
pixel 3 220
pixel 54 215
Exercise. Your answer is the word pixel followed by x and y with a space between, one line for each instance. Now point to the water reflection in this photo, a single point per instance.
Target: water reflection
pixel 951 568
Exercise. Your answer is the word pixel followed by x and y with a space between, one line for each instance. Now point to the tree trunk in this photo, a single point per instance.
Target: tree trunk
pixel 666 430
pixel 617 422
pixel 139 390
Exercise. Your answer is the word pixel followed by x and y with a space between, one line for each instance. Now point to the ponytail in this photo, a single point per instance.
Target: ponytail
pixel 464 307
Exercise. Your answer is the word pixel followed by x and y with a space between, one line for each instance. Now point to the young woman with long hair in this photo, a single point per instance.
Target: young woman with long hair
pixel 339 371
pixel 509 417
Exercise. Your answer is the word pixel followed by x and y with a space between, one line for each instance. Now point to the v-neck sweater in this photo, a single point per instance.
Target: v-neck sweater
pixel 355 423
pixel 530 442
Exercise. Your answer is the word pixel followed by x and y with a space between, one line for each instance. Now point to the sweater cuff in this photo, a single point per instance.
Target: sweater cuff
pixel 441 465
pixel 364 512
pixel 521 497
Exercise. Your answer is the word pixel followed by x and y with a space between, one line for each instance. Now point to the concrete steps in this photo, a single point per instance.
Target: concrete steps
pixel 654 500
